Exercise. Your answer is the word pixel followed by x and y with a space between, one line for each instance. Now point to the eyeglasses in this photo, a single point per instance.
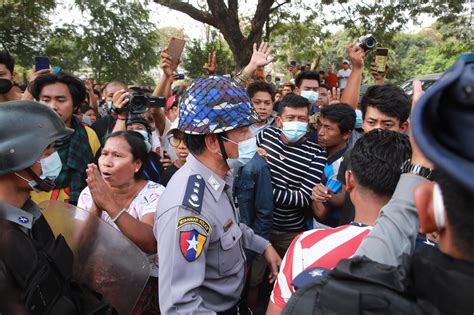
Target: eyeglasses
pixel 175 140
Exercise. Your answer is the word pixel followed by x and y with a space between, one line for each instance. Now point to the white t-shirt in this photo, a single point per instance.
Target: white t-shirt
pixel 145 202
pixel 343 75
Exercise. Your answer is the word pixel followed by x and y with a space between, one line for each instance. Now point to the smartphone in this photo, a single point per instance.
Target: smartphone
pixel 381 57
pixel 175 48
pixel 41 63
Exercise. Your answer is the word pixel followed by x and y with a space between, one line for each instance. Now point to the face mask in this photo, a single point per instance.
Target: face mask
pixel 5 86
pixel 247 150
pixel 86 120
pixel 294 130
pixel 50 168
pixel 147 138
pixel 109 105
pixel 358 122
pixel 345 66
pixel 311 96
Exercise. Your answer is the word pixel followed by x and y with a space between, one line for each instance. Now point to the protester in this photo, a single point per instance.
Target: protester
pixel 296 166
pixel 343 74
pixel 7 78
pixel 261 95
pixel 121 195
pixel 64 94
pixel 335 126
pixel 287 88
pixel 176 140
pixel 307 85
pixel 383 152
pixel 331 78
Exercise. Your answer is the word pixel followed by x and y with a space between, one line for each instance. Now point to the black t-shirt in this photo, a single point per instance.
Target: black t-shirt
pixel 153 170
pixel 168 173
pixel 103 127
pixel 347 210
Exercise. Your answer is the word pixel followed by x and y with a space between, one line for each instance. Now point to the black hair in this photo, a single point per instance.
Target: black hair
pixel 458 202
pixel 341 114
pixel 84 108
pixel 260 86
pixel 293 101
pixel 382 152
pixel 75 85
pixel 306 75
pixel 7 60
pixel 196 144
pixel 137 148
pixel 139 119
pixel 389 100
pixel 324 85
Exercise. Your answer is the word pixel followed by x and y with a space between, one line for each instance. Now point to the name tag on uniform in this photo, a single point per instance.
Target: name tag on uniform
pixel 227 225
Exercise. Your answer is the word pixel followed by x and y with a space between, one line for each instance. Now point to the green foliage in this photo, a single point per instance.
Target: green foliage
pixel 196 55
pixel 24 27
pixel 118 41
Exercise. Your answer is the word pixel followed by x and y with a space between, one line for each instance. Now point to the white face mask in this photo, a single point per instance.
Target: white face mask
pixel 247 150
pixel 147 138
pixel 311 96
pixel 50 169
pixel 294 130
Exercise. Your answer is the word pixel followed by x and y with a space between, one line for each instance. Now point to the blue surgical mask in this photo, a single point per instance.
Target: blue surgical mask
pixel 358 122
pixel 50 169
pixel 147 138
pixel 247 150
pixel 294 130
pixel 311 96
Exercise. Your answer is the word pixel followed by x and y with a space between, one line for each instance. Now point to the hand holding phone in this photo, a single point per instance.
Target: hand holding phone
pixel 381 57
pixel 41 63
pixel 175 49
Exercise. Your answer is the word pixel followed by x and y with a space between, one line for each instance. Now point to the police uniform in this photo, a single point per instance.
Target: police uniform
pixel 200 243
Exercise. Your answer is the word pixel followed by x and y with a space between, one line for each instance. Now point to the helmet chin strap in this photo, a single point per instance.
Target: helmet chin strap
pixel 221 146
pixel 44 185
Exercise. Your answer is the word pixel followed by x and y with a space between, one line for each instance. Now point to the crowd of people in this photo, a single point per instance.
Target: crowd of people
pixel 226 184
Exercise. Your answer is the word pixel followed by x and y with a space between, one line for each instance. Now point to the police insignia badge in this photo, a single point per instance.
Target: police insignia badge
pixel 191 244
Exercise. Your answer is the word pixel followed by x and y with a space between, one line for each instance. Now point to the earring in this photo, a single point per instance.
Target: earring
pixel 438 207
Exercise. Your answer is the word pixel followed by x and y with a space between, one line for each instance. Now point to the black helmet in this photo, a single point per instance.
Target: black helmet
pixel 26 130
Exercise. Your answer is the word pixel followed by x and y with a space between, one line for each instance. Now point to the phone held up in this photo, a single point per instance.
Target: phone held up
pixel 381 57
pixel 175 49
pixel 41 63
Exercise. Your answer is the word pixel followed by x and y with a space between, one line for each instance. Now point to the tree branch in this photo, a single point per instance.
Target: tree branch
pixel 279 5
pixel 198 15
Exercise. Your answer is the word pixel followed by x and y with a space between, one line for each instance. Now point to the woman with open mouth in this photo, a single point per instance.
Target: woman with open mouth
pixel 121 195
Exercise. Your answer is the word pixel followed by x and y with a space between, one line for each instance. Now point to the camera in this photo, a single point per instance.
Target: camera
pixel 139 103
pixel 367 42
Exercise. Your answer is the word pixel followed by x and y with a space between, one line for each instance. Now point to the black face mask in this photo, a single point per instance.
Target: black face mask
pixel 5 86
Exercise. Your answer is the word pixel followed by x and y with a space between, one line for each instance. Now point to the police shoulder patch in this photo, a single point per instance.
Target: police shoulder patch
pixel 195 221
pixel 193 197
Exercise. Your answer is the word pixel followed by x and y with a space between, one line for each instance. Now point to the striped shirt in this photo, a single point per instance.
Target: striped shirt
pixel 316 248
pixel 295 170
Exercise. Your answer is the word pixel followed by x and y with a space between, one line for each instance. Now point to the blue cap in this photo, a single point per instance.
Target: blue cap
pixel 215 104
pixel 309 276
pixel 443 122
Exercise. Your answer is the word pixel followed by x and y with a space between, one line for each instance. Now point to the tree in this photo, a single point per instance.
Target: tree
pixel 224 16
pixel 118 41
pixel 24 28
pixel 196 56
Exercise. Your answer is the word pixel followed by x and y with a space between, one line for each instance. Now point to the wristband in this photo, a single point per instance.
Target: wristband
pixel 119 214
pixel 121 118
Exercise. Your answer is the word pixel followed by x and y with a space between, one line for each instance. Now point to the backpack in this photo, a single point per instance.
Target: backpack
pixel 357 286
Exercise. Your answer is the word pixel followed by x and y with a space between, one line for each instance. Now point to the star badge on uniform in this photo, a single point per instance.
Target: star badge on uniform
pixel 191 244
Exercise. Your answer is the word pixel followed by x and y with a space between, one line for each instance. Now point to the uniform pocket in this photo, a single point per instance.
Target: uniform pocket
pixel 230 253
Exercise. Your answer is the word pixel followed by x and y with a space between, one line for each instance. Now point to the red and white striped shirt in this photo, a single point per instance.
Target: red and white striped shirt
pixel 316 248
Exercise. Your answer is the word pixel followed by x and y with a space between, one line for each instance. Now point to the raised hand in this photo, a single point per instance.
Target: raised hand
pixel 334 96
pixel 211 65
pixel 166 64
pixel 261 56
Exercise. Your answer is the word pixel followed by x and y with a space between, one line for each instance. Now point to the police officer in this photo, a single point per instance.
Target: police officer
pixel 35 268
pixel 200 237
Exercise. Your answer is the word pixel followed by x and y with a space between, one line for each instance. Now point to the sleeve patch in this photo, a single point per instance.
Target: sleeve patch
pixel 196 221
pixel 191 244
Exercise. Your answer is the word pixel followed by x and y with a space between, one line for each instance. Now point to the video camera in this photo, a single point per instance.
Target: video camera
pixel 367 42
pixel 139 103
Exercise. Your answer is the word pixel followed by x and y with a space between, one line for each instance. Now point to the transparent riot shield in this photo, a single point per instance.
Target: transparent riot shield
pixel 104 259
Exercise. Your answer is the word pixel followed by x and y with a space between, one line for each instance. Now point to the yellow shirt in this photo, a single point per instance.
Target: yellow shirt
pixel 62 194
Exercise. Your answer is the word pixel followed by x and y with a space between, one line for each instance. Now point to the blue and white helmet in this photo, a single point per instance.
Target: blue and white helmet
pixel 215 104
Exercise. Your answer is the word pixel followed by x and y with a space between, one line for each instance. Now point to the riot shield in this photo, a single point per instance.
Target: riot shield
pixel 104 259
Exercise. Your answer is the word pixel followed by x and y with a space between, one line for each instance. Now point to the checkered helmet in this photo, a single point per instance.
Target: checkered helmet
pixel 215 104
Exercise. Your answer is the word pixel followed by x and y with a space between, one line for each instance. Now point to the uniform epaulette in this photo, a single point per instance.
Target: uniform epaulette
pixel 194 193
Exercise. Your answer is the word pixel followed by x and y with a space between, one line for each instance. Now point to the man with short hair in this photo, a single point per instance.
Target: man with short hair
pixel 7 78
pixel 382 152
pixel 323 96
pixel 335 126
pixel 296 166
pixel 307 85
pixel 64 94
pixel 261 94
pixel 287 88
